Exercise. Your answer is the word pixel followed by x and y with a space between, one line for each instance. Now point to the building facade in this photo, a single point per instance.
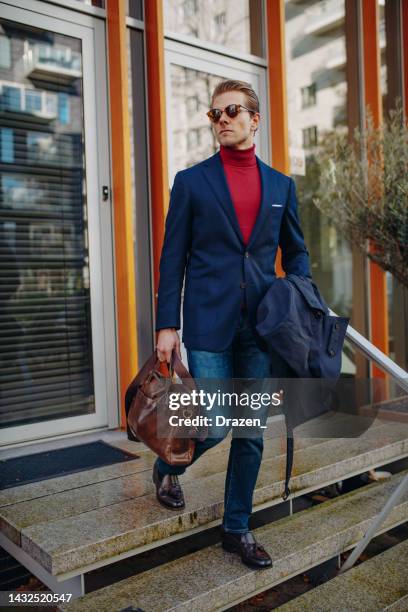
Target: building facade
pixel 101 103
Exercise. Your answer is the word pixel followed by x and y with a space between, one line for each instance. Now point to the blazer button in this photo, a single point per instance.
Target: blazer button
pixel 318 314
pixel 242 285
pixel 331 352
pixel 246 254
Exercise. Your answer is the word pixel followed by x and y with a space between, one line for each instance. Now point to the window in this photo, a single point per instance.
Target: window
pixel 193 138
pixel 190 8
pixel 134 8
pixel 308 95
pixel 190 75
pixel 236 25
pixel 192 104
pixel 33 100
pixel 63 108
pixel 5 55
pixel 51 104
pixel 316 58
pixel 41 147
pixel 12 98
pixel 46 359
pixel 220 22
pixel 7 145
pixel 310 137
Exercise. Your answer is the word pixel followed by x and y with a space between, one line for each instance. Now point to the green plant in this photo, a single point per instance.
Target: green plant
pixel 363 188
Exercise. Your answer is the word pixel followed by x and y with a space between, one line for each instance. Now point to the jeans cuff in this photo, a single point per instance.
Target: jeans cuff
pixel 234 530
pixel 166 469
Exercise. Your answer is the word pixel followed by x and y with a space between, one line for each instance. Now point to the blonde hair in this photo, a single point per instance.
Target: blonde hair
pixel 252 101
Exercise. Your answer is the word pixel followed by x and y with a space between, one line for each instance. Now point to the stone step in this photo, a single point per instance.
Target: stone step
pixel 212 579
pixel 44 508
pixel 75 531
pixel 144 459
pixel 373 585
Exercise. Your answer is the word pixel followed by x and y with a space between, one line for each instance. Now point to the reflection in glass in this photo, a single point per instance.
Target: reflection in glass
pixel 193 138
pixel 317 90
pixel 45 325
pixel 387 104
pixel 134 8
pixel 192 135
pixel 236 24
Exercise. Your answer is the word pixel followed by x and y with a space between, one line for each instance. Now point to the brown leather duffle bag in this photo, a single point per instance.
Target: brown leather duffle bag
pixel 147 410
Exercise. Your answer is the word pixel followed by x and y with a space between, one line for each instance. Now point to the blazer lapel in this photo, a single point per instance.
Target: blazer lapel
pixel 268 188
pixel 215 176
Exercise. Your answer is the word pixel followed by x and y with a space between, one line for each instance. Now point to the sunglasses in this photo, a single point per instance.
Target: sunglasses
pixel 232 111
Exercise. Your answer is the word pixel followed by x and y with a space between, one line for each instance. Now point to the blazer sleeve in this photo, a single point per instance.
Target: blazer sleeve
pixel 295 256
pixel 176 247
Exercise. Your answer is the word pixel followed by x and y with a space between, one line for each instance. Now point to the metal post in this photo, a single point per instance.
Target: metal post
pixel 392 501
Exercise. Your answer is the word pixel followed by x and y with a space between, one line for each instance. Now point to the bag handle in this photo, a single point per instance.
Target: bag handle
pixel 154 363
pixel 177 366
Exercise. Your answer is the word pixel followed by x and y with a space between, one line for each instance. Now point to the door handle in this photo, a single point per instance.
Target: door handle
pixel 105 193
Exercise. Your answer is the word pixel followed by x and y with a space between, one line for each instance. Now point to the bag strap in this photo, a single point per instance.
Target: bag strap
pixel 289 465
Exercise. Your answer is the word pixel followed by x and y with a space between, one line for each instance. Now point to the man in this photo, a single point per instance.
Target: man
pixel 226 217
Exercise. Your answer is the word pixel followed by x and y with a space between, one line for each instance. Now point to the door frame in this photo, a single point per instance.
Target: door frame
pixel 91 31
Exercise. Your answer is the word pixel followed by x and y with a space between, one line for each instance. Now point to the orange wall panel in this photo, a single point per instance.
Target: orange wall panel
pixel 276 54
pixel 157 127
pixel 122 197
pixel 373 98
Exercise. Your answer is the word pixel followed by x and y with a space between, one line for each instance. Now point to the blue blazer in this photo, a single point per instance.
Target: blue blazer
pixel 204 244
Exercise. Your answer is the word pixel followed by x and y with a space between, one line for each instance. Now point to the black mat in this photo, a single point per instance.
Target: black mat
pixel 41 466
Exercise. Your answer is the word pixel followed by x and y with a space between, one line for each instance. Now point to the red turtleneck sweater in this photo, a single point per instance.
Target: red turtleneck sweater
pixel 244 182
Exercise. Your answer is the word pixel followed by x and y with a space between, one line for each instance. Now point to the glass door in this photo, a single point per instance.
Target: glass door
pixel 190 80
pixel 56 292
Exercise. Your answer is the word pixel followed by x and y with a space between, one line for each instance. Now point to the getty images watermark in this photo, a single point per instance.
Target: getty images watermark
pixel 219 399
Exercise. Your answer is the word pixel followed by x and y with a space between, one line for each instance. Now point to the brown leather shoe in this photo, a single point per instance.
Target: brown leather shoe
pixel 252 553
pixel 168 490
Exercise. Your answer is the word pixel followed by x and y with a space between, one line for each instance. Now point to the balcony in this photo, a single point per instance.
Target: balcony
pixel 17 100
pixel 330 18
pixel 338 61
pixel 52 63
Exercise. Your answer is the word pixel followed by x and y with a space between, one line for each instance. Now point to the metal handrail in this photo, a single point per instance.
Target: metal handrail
pixel 373 353
pixel 401 376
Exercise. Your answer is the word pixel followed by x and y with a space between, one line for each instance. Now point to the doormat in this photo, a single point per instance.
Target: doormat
pixel 19 471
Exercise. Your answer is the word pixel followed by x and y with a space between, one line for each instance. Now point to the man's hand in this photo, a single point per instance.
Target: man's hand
pixel 167 340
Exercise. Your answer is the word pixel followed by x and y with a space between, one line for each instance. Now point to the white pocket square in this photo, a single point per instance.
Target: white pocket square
pixel 278 205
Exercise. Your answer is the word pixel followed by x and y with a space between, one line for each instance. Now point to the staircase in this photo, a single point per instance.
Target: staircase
pixel 212 579
pixel 63 528
pixel 66 529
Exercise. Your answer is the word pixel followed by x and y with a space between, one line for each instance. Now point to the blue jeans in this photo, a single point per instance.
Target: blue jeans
pixel 242 359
